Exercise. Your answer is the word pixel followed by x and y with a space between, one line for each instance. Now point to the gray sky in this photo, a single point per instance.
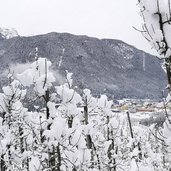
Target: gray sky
pixel 97 18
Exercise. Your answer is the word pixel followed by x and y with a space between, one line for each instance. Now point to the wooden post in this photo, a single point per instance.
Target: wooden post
pixel 130 127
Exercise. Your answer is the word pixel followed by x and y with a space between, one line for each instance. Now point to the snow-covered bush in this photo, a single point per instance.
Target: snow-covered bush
pixel 156 16
pixel 66 131
pixel 12 126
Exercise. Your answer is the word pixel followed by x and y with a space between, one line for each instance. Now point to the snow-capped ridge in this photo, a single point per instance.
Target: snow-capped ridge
pixel 8 33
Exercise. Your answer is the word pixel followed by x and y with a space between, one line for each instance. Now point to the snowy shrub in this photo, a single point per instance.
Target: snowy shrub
pixel 66 131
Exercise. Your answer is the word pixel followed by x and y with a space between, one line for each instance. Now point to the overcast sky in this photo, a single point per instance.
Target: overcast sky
pixel 97 18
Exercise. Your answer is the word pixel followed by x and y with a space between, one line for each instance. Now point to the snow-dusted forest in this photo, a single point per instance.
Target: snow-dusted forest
pixel 49 127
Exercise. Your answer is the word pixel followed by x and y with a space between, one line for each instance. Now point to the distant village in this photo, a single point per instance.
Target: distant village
pixel 146 112
pixel 136 105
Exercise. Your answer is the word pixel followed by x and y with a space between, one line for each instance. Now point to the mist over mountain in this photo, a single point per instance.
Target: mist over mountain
pixel 104 66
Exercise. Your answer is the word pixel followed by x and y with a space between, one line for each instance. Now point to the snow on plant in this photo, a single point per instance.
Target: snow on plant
pixel 156 15
pixel 58 134
pixel 66 130
pixel 156 28
pixel 39 75
pixel 68 97
pixel 77 151
pixel 41 78
pixel 12 126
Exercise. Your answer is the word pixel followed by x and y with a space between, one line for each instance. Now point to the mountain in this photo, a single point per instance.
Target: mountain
pixel 105 65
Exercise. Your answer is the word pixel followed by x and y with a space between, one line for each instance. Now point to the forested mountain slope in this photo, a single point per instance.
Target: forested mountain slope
pixel 105 65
